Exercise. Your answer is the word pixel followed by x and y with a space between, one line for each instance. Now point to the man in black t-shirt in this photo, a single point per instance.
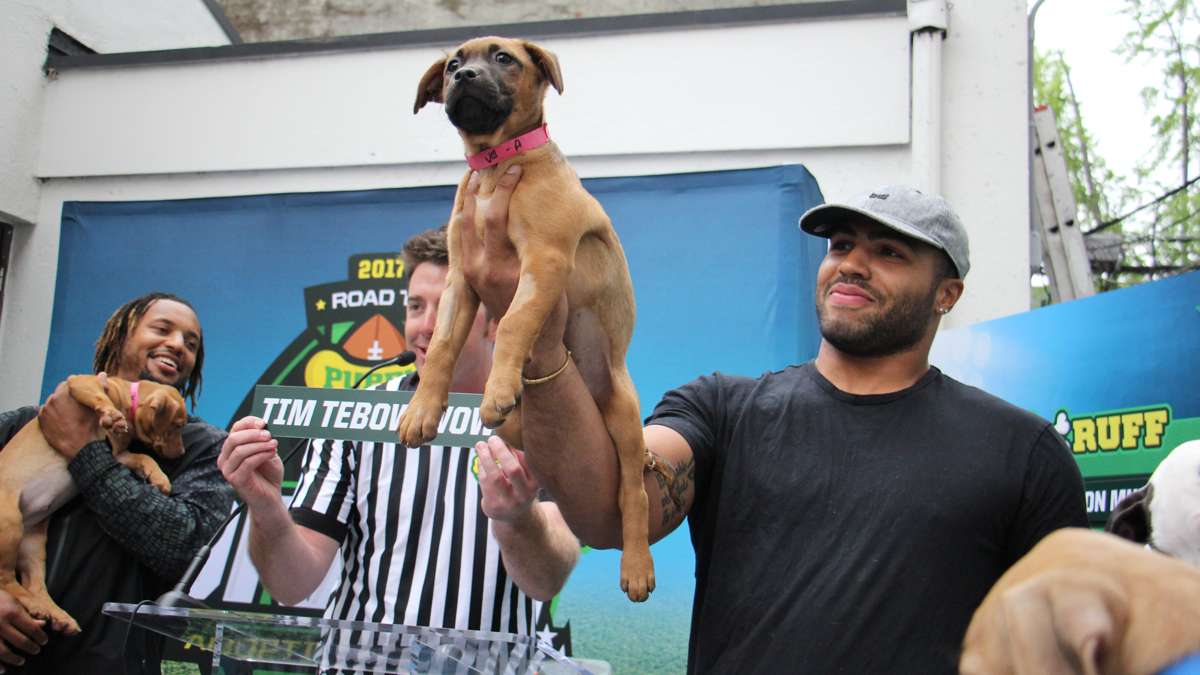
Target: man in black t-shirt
pixel 119 539
pixel 848 514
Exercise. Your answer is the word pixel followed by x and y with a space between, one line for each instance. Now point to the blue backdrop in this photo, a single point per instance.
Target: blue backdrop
pixel 1088 364
pixel 723 276
pixel 1115 350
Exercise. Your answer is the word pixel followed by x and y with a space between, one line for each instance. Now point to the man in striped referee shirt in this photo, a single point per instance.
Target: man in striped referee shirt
pixel 431 536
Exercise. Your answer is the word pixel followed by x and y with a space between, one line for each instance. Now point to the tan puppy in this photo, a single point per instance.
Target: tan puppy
pixel 1086 602
pixel 34 481
pixel 493 89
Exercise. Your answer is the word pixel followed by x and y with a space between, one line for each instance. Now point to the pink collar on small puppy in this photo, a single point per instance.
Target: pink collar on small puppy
pixel 493 156
pixel 133 398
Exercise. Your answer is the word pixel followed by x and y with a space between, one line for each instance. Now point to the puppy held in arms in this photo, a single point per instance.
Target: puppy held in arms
pixel 493 90
pixel 1086 602
pixel 35 482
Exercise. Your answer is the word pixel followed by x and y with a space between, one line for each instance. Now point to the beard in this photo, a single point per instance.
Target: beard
pixel 899 323
pixel 147 375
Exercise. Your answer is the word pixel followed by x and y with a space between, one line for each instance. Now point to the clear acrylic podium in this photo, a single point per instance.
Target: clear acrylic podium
pixel 349 646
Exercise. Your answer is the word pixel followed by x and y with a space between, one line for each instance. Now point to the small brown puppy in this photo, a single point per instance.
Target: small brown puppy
pixel 34 481
pixel 493 89
pixel 1086 602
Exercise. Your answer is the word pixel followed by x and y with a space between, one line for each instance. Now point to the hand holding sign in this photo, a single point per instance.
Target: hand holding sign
pixel 249 460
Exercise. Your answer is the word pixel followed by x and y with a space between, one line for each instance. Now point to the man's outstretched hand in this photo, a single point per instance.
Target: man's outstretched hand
pixel 489 259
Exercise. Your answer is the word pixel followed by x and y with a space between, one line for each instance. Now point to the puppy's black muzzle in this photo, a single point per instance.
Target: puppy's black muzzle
pixel 476 102
pixel 466 73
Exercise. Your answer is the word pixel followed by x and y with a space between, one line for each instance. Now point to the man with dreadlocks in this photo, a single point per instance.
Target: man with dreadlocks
pixel 120 539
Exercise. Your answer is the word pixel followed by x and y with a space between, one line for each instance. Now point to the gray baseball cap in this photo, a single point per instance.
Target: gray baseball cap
pixel 909 211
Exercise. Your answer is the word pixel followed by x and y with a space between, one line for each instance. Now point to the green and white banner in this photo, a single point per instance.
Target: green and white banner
pixel 360 414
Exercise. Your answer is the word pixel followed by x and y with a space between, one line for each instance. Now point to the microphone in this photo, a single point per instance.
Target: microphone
pixel 176 597
pixel 401 359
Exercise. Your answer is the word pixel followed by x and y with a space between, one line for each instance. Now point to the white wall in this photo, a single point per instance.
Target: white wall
pixel 25 25
pixel 832 95
pixel 128 25
pixel 634 94
pixel 985 153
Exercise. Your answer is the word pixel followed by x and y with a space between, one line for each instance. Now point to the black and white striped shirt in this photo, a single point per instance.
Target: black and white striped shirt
pixel 416 547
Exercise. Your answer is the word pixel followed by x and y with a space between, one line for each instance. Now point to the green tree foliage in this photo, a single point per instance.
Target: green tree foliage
pixel 1167 32
pixel 1155 212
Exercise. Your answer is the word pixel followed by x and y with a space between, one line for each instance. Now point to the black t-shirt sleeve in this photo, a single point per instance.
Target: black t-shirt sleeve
pixel 12 421
pixel 691 411
pixel 697 411
pixel 1052 496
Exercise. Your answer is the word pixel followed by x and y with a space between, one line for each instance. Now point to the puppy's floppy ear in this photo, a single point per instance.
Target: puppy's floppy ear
pixel 180 417
pixel 151 412
pixel 154 402
pixel 430 88
pixel 1130 518
pixel 547 63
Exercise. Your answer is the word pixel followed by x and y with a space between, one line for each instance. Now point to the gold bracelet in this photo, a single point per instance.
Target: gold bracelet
pixel 551 376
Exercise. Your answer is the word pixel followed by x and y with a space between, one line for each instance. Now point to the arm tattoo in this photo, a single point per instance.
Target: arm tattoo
pixel 673 485
pixel 669 510
pixel 685 476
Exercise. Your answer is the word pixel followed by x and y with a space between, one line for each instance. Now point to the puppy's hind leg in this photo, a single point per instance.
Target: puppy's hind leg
pixel 623 419
pixel 32 562
pixel 12 529
pixel 456 314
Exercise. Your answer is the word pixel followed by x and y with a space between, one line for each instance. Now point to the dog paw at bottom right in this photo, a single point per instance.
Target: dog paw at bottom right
pixel 637 574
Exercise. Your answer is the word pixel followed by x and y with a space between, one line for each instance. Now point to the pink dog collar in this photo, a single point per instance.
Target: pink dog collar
pixel 493 156
pixel 133 398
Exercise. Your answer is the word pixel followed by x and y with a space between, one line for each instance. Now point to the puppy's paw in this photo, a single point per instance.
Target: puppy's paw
pixel 159 480
pixel 64 623
pixel 36 607
pixel 637 575
pixel 114 420
pixel 500 396
pixel 40 606
pixel 419 423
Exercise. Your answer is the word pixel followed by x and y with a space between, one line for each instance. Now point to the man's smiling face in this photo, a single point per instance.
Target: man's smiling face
pixel 876 290
pixel 163 346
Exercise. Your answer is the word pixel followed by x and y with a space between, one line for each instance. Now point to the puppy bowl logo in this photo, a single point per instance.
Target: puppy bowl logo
pixel 352 326
pixel 362 320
